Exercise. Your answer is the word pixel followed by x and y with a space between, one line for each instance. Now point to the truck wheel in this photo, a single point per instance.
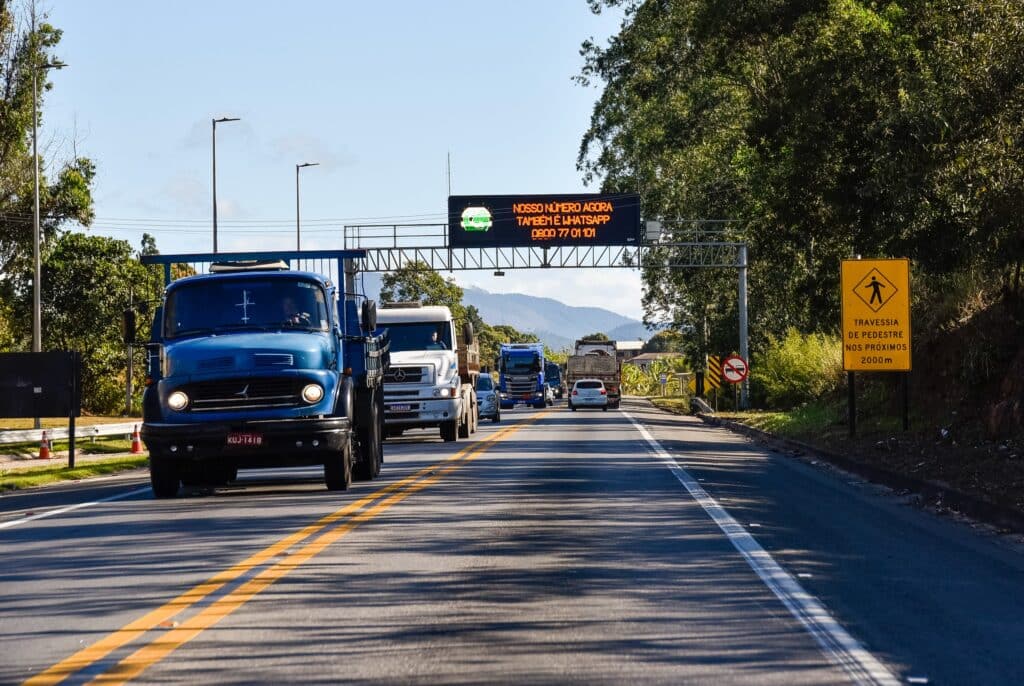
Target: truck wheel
pixel 338 468
pixel 449 431
pixel 367 467
pixel 164 476
pixel 464 426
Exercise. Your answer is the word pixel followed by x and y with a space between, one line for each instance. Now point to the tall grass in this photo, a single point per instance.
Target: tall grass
pixel 797 369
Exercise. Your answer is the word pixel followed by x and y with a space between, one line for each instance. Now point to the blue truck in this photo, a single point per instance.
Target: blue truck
pixel 253 364
pixel 553 378
pixel 521 375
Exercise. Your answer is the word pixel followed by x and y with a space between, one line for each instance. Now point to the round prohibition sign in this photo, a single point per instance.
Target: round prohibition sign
pixel 734 369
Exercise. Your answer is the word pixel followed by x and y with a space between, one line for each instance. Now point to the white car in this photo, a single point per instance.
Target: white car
pixel 588 393
pixel 487 399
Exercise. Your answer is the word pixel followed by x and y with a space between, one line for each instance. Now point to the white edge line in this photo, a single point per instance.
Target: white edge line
pixel 69 508
pixel 834 640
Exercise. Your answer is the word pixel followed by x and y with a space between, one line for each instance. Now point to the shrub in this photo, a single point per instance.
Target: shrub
pixel 797 369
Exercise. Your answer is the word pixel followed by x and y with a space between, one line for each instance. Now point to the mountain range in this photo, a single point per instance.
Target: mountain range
pixel 555 323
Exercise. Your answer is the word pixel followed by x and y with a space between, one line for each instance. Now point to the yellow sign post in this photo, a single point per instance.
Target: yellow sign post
pixel 876 315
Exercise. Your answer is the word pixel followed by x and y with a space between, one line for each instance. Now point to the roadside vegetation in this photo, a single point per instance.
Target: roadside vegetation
pixel 14 479
pixel 822 131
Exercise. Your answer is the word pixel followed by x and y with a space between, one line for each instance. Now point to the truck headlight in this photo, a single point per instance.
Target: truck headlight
pixel 442 392
pixel 313 393
pixel 177 401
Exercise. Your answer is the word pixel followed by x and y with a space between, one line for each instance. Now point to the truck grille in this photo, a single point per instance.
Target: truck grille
pixel 244 394
pixel 407 375
pixel 520 385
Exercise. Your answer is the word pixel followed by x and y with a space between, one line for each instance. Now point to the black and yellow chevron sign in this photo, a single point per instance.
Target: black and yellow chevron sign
pixel 712 377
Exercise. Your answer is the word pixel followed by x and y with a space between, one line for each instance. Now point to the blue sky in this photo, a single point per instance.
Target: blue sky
pixel 377 93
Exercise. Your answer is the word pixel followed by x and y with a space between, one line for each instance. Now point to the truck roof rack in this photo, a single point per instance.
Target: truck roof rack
pixel 249 265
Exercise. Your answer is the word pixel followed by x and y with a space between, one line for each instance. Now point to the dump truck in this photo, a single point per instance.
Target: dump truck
pixel 433 373
pixel 253 365
pixel 595 359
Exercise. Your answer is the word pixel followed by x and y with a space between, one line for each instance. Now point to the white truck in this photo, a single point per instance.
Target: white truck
pixel 432 378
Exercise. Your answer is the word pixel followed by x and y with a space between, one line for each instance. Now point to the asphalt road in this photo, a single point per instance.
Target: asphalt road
pixel 553 547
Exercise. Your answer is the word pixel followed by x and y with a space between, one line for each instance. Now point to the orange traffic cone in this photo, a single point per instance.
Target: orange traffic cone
pixel 136 441
pixel 44 448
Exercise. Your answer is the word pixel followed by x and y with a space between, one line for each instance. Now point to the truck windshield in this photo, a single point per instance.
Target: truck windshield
pixel 521 364
pixel 408 336
pixel 216 306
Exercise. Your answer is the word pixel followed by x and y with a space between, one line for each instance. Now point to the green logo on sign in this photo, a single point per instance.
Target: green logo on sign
pixel 476 219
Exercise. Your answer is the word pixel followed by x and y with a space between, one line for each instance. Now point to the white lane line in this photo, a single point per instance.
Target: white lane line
pixel 69 508
pixel 835 641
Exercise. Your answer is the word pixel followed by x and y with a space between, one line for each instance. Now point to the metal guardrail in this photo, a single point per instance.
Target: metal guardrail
pixel 91 431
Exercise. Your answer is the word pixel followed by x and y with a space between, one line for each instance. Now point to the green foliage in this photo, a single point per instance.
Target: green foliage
pixel 417 282
pixel 66 196
pixel 797 369
pixel 595 337
pixel 646 381
pixel 667 341
pixel 825 129
pixel 87 283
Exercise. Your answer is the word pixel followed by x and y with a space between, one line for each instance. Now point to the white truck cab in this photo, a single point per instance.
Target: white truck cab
pixel 432 378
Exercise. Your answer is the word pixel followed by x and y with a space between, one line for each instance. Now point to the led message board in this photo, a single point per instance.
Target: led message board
pixel 582 219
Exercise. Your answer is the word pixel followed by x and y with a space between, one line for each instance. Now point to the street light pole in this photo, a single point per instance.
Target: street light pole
pixel 298 240
pixel 37 268
pixel 214 123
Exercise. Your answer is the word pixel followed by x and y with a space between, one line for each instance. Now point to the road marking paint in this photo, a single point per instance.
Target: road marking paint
pixel 185 631
pixel 70 508
pixel 834 640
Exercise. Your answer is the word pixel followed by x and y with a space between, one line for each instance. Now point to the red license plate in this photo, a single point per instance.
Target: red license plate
pixel 526 396
pixel 245 439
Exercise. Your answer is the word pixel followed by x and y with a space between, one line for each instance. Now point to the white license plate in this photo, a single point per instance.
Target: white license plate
pixel 245 439
pixel 400 408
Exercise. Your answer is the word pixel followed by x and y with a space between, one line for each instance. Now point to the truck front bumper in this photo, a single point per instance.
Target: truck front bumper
pixel 262 443
pixel 417 412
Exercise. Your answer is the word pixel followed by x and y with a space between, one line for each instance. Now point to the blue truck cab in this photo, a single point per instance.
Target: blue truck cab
pixel 521 375
pixel 255 365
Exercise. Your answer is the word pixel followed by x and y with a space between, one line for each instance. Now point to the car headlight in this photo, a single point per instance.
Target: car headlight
pixel 313 393
pixel 177 401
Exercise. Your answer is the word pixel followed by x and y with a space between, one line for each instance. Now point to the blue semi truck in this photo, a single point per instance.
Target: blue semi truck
pixel 252 364
pixel 521 375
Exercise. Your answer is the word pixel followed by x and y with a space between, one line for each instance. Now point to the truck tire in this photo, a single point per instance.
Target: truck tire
pixel 464 425
pixel 338 468
pixel 164 477
pixel 449 431
pixel 367 466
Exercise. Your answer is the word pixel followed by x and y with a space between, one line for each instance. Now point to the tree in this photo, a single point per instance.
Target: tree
pixel 665 342
pixel 825 129
pixel 417 282
pixel 65 198
pixel 596 337
pixel 88 281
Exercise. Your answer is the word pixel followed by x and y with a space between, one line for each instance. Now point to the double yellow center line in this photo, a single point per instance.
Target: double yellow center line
pixel 322 534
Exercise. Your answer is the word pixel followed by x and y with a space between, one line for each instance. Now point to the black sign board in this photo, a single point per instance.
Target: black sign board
pixel 40 384
pixel 582 219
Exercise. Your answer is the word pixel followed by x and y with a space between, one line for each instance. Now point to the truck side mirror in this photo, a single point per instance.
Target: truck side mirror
pixel 368 316
pixel 128 326
pixel 467 332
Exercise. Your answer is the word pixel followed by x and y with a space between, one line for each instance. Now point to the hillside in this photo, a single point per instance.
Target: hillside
pixel 554 322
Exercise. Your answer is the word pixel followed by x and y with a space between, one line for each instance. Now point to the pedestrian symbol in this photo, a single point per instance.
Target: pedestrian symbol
pixel 875 290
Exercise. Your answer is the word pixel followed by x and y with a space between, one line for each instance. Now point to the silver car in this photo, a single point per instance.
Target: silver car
pixel 487 405
pixel 588 393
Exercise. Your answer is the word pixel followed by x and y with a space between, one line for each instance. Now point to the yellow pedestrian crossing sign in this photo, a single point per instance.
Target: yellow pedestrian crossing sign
pixel 876 315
